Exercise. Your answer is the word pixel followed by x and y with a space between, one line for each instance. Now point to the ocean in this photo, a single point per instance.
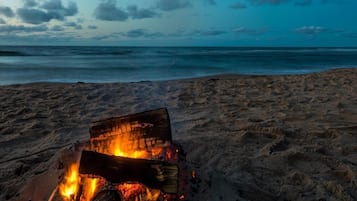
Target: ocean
pixel 27 64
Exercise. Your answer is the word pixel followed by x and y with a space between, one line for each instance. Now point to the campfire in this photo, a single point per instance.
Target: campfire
pixel 128 158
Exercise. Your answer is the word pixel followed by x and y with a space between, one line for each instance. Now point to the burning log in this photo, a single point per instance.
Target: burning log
pixel 152 173
pixel 150 124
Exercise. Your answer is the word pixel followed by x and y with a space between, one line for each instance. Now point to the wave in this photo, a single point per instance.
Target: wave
pixel 8 53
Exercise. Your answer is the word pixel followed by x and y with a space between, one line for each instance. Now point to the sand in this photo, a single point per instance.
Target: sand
pixel 250 137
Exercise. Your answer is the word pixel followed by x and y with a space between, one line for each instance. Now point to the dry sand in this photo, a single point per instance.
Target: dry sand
pixel 250 137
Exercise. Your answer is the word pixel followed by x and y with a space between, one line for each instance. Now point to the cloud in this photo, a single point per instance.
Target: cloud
pixel 92 27
pixel 136 33
pixel 169 5
pixel 22 28
pixel 210 32
pixel 57 28
pixel 73 24
pixel 2 21
pixel 136 13
pixel 238 5
pixel 109 12
pixel 56 6
pixel 6 11
pixel 49 10
pixel 310 30
pixel 36 16
pixel 244 30
pixel 14 39
pixel 30 3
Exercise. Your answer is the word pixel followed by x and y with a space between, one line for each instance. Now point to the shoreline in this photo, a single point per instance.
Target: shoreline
pixel 250 137
pixel 214 76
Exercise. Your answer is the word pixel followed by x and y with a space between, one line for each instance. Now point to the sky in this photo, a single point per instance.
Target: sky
pixel 179 22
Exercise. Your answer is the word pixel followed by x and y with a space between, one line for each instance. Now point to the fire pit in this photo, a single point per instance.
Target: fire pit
pixel 128 158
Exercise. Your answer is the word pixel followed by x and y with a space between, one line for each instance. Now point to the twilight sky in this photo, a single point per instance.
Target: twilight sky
pixel 179 22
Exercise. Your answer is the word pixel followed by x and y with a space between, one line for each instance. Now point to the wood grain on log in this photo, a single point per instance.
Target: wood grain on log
pixel 154 174
pixel 153 125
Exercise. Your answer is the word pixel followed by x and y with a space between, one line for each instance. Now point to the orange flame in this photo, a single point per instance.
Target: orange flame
pixel 89 186
pixel 137 191
pixel 69 188
pixel 125 141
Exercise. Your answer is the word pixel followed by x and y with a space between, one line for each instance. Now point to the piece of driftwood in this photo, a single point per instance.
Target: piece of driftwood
pixel 107 195
pixel 152 173
pixel 153 126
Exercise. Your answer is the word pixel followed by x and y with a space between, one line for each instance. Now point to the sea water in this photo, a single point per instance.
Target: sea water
pixel 27 64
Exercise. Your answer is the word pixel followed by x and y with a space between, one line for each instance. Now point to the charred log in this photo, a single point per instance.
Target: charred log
pixel 107 195
pixel 154 124
pixel 154 174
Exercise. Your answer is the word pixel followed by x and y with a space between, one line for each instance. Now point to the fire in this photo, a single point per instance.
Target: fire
pixel 137 191
pixel 69 188
pixel 90 185
pixel 125 141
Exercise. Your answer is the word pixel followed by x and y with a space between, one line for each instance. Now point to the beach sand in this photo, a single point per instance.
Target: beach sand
pixel 249 137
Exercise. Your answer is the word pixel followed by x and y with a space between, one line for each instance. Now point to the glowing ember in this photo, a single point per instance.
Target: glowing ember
pixel 69 187
pixel 193 174
pixel 137 191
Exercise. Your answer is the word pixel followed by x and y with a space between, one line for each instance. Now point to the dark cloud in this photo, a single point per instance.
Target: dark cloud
pixel 211 32
pixel 199 32
pixel 103 37
pixel 6 11
pixel 49 10
pixel 2 21
pixel 244 30
pixel 169 5
pixel 35 16
pixel 30 3
pixel 92 27
pixel 56 6
pixel 311 30
pixel 57 28
pixel 22 28
pixel 109 12
pixel 238 5
pixel 136 13
pixel 73 24
pixel 134 33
